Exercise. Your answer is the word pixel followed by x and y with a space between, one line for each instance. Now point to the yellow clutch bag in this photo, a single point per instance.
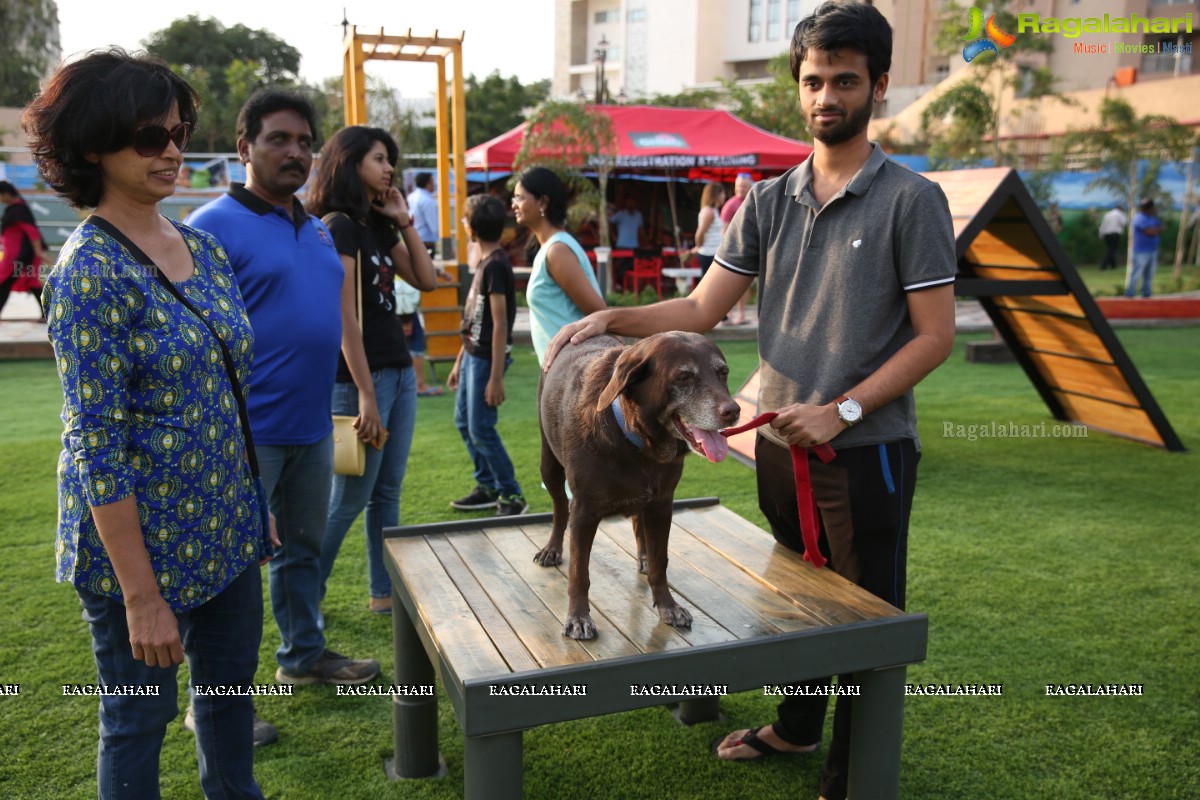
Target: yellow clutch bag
pixel 349 451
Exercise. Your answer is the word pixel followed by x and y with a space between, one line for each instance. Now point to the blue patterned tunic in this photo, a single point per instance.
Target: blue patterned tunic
pixel 149 412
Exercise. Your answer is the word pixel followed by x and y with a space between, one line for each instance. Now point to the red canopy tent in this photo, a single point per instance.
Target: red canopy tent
pixel 696 143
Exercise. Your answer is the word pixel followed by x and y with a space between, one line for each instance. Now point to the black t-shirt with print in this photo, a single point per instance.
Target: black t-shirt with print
pixel 493 275
pixel 383 333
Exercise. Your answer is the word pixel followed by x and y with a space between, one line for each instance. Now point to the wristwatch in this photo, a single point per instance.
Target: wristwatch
pixel 849 411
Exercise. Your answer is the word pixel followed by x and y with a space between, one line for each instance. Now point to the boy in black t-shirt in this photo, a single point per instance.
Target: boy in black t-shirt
pixel 478 372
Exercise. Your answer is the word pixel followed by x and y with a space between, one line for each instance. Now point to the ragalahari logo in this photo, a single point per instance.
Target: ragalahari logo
pixel 981 38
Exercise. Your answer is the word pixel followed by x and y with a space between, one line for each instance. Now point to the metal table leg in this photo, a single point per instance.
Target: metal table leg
pixel 876 731
pixel 703 709
pixel 414 717
pixel 493 767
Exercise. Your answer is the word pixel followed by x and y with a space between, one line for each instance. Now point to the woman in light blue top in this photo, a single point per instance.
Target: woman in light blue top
pixel 562 287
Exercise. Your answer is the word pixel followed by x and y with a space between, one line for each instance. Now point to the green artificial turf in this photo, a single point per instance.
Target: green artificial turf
pixel 1038 560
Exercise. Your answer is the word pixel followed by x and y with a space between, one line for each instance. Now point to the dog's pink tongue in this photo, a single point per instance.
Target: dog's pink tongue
pixel 716 447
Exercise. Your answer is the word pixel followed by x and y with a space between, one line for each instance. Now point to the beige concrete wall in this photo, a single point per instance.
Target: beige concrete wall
pixel 1042 118
pixel 11 134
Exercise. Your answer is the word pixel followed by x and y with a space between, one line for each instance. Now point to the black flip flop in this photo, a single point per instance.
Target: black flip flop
pixel 751 740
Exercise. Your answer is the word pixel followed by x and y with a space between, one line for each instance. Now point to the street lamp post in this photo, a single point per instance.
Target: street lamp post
pixel 599 57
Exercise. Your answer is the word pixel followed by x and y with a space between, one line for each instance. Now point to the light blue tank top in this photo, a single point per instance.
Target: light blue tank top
pixel 549 306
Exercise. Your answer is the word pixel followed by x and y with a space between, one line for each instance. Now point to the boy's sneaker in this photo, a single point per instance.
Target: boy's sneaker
pixel 264 732
pixel 480 497
pixel 511 506
pixel 335 668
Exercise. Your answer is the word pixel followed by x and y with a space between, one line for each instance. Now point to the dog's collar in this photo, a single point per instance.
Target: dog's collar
pixel 636 440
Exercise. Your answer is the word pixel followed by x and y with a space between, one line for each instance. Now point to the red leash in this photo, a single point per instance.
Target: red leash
pixel 809 529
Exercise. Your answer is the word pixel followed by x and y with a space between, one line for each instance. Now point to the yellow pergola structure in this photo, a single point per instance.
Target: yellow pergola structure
pixel 435 49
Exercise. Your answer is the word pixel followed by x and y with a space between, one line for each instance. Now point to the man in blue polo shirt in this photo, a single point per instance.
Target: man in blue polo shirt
pixel 290 278
pixel 1146 230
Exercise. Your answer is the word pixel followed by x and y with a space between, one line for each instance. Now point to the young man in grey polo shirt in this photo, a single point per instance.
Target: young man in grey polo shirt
pixel 856 262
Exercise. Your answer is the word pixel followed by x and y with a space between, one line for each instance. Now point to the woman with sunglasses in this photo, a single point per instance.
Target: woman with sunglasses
pixel 159 525
pixel 368 217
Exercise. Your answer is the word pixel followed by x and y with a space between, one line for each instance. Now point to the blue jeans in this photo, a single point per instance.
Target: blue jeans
pixel 296 480
pixel 1141 269
pixel 378 488
pixel 220 641
pixel 476 423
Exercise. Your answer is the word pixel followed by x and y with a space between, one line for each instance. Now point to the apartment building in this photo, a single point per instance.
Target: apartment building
pixel 647 47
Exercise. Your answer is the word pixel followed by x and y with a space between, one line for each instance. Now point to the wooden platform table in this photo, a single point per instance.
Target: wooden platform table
pixel 471 609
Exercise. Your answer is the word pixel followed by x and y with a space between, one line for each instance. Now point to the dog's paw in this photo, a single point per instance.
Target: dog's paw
pixel 548 556
pixel 676 616
pixel 644 565
pixel 580 627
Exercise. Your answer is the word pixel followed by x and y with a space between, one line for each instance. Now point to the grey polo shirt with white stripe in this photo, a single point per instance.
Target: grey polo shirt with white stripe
pixel 833 283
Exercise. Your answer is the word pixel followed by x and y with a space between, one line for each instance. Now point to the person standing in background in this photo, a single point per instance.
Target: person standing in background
pixel 562 287
pixel 24 248
pixel 1146 229
pixel 288 270
pixel 628 222
pixel 378 242
pixel 485 356
pixel 741 188
pixel 709 226
pixel 1111 227
pixel 423 206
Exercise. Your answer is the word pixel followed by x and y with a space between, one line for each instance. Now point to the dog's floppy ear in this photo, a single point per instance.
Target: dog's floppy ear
pixel 632 366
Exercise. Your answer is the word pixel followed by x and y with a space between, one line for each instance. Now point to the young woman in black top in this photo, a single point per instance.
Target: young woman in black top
pixel 373 231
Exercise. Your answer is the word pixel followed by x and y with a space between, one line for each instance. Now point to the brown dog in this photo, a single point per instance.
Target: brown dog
pixel 616 423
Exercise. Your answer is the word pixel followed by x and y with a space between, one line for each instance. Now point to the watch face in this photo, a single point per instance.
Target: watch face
pixel 850 411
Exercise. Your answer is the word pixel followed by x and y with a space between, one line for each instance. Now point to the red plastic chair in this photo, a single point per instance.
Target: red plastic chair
pixel 645 271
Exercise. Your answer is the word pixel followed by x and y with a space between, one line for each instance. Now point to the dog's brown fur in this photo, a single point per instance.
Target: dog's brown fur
pixel 664 376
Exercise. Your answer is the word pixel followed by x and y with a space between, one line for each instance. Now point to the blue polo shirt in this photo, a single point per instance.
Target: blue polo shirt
pixel 1144 242
pixel 290 277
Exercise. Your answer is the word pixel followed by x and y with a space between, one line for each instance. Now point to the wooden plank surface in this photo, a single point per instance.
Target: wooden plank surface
pixel 821 592
pixel 492 611
pixel 1065 305
pixel 1011 273
pixel 968 190
pixel 615 541
pixel 444 612
pixel 549 584
pixel 506 640
pixel 729 597
pixel 539 629
pixel 1054 334
pixel 1090 378
pixel 1132 422
pixel 1009 244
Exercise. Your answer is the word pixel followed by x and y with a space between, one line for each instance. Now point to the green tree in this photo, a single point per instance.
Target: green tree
pixel 26 50
pixel 773 106
pixel 496 104
pixel 959 122
pixel 230 63
pixel 410 128
pixel 569 138
pixel 688 98
pixel 1128 152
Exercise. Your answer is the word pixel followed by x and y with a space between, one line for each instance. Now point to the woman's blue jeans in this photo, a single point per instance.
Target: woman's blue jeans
pixel 220 641
pixel 378 488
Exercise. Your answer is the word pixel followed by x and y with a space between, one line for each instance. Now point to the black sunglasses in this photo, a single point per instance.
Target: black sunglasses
pixel 150 141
